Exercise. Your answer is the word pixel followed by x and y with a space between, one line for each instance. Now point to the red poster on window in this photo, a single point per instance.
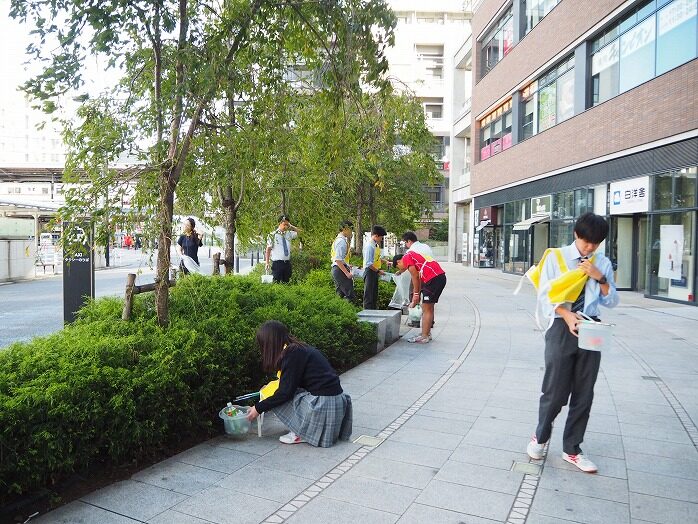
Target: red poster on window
pixel 506 141
pixel 485 153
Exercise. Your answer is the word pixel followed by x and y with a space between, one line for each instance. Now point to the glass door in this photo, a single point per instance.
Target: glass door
pixel 621 250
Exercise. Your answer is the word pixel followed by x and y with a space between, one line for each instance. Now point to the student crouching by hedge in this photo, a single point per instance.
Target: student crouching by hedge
pixel 310 400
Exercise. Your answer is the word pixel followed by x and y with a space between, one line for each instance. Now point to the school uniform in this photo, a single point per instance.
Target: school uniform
pixel 570 372
pixel 344 286
pixel 372 263
pixel 310 400
pixel 280 256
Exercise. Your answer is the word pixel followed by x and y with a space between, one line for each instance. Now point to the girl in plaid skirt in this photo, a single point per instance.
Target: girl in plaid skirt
pixel 310 400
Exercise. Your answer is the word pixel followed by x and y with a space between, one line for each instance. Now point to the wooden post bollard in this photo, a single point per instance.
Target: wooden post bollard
pixel 216 263
pixel 128 297
pixel 173 274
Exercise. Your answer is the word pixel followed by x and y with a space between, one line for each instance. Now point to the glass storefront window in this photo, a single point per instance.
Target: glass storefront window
pixel 563 205
pixel 637 55
pixel 561 232
pixel 676 34
pixel 672 256
pixel 497 44
pixel 515 251
pixel 515 212
pixel 676 189
pixel 654 38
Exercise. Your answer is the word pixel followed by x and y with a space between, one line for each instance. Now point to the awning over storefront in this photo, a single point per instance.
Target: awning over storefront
pixel 483 224
pixel 524 225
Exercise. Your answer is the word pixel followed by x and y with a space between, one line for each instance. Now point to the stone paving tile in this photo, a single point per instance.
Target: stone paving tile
pixel 426 437
pixel 455 406
pixel 483 456
pixel 372 493
pixel 608 467
pixel 412 453
pixel 216 458
pixel 535 518
pixel 322 510
pixel 662 449
pixel 665 435
pixel 265 483
pixel 224 506
pixel 686 469
pixel 467 416
pixel 134 499
pixel 580 483
pixel 652 422
pixel 663 486
pixel 507 427
pixel 438 424
pixel 600 444
pixel 600 423
pixel 422 514
pixel 466 499
pixel 179 477
pixel 304 460
pixel 175 517
pixel 627 408
pixel 514 415
pixel 251 444
pixel 493 479
pixel 661 510
pixel 579 508
pixel 80 513
pixel 490 439
pixel 394 472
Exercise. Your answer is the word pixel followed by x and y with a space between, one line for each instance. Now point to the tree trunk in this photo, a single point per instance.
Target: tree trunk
pixel 162 276
pixel 229 220
pixel 371 205
pixel 359 243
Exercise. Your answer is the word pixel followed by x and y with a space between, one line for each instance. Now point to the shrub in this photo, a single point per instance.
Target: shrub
pixel 104 391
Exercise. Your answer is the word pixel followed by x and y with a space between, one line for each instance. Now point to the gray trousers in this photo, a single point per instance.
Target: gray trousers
pixel 370 289
pixel 570 374
pixel 343 285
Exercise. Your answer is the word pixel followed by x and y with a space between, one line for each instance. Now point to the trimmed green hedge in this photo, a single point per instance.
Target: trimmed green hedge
pixel 104 391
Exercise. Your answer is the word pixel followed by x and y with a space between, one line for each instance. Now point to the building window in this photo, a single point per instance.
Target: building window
pixel 495 131
pixel 44 190
pixel 676 189
pixel 430 18
pixel 404 18
pixel 433 107
pixel 654 38
pixel 441 148
pixel 498 42
pixel 431 57
pixel 534 11
pixel 548 100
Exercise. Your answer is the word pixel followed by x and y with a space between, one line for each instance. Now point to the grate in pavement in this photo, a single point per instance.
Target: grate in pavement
pixel 527 468
pixel 367 440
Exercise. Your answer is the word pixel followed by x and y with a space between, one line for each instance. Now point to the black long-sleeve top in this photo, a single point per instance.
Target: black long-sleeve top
pixel 302 367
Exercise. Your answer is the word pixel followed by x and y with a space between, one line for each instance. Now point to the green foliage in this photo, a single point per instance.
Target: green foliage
pixel 107 391
pixel 439 231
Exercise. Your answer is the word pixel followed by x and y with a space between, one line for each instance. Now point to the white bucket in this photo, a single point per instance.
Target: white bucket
pixel 595 336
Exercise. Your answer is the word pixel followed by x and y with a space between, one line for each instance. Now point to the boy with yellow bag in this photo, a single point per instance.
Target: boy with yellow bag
pixel 571 280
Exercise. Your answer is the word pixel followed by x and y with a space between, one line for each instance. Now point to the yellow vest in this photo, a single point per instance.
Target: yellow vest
pixel 376 257
pixel 565 288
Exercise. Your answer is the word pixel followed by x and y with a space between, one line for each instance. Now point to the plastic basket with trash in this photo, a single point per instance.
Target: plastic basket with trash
pixel 595 336
pixel 267 278
pixel 235 420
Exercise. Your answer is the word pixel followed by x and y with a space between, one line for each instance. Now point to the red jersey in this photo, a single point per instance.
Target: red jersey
pixel 428 267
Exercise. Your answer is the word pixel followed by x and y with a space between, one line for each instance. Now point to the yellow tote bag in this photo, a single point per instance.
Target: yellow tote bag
pixel 268 390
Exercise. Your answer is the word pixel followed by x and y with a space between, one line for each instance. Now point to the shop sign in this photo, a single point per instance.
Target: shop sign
pixel 630 196
pixel 487 214
pixel 541 205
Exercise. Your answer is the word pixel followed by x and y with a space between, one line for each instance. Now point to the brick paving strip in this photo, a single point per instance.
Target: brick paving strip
pixel 327 480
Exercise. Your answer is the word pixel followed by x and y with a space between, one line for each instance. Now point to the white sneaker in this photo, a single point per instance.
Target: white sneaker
pixel 291 438
pixel 535 451
pixel 581 462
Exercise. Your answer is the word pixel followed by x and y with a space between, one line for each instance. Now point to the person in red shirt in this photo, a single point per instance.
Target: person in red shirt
pixel 429 280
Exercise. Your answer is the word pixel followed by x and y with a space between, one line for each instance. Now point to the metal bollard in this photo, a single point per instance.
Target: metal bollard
pixel 251 258
pixel 237 264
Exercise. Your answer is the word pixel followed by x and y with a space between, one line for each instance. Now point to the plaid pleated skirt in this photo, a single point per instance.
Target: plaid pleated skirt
pixel 319 420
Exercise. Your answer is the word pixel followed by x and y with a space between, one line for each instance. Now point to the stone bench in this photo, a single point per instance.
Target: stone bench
pixel 387 324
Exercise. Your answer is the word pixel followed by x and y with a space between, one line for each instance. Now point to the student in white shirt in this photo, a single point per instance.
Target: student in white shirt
pixel 278 253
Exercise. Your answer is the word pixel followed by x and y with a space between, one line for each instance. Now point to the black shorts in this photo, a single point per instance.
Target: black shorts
pixel 431 291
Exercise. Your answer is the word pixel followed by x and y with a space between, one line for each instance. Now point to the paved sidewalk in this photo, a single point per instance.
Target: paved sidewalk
pixel 452 420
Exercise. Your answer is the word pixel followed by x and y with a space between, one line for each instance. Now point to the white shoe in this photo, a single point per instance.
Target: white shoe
pixel 535 451
pixel 291 438
pixel 581 462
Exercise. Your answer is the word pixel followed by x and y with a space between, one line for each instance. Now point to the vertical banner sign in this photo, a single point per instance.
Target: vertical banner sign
pixel 78 274
pixel 670 251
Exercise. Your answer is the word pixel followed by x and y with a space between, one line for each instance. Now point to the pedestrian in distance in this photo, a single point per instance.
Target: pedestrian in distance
pixel 428 281
pixel 570 372
pixel 189 243
pixel 310 400
pixel 341 269
pixel 278 253
pixel 372 267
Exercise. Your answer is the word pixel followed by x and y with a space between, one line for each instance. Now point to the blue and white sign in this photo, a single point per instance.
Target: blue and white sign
pixel 630 196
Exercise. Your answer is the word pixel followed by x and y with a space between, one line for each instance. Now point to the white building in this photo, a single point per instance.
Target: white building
pixel 459 209
pixel 427 37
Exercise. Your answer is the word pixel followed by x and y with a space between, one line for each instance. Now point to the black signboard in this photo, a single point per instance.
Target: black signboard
pixel 78 273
